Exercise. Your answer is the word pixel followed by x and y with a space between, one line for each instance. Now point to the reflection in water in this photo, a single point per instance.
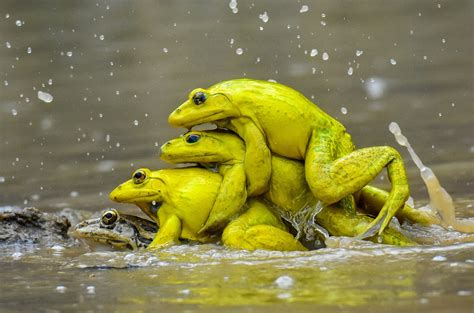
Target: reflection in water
pixel 372 276
pixel 116 69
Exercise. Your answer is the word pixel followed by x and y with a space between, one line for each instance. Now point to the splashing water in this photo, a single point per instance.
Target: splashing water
pixel 440 201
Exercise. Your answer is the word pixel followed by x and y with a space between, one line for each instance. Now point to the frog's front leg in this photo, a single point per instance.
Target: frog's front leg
pixel 170 230
pixel 331 178
pixel 258 157
pixel 259 228
pixel 230 199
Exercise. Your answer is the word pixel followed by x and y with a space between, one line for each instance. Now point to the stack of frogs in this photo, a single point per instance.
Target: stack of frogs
pixel 278 157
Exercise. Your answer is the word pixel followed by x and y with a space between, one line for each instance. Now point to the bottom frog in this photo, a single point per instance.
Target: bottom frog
pixel 257 228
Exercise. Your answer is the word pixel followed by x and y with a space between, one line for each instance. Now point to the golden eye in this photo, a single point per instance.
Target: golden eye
pixel 109 217
pixel 139 177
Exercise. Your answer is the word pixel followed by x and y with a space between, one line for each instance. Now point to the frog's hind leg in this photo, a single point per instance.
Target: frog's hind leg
pixel 372 199
pixel 331 178
pixel 259 228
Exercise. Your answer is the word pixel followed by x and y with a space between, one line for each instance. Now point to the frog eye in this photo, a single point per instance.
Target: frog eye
pixel 193 138
pixel 139 177
pixel 109 217
pixel 199 98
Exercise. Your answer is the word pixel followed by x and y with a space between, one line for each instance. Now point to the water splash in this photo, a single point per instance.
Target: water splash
pixel 440 200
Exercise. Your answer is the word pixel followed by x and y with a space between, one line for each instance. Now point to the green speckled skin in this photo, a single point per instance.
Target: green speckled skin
pixel 271 117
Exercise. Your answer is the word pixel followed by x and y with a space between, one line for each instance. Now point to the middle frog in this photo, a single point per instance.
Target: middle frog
pixel 271 117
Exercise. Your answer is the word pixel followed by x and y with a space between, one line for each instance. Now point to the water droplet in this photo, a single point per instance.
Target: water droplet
pixel 233 6
pixel 314 52
pixel 375 87
pixel 304 9
pixel 284 282
pixel 61 289
pixel 14 112
pixel 44 96
pixel 323 23
pixel 350 71
pixel 393 61
pixel 50 81
pixel 239 51
pixel 74 194
pixel 107 138
pixel 165 50
pixel 69 53
pixel 344 110
pixel 101 37
pixel 90 289
pixel 135 122
pixel 443 40
pixel 2 179
pixel 8 45
pixel 18 23
pixel 7 15
pixel 28 50
pixel 359 53
pixel 439 258
pixel 5 82
pixel 264 17
pixel 325 56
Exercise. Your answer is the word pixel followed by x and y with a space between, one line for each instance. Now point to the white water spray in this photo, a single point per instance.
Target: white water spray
pixel 440 201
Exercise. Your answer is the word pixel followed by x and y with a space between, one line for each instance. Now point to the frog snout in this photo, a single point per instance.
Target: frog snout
pixel 164 147
pixel 114 193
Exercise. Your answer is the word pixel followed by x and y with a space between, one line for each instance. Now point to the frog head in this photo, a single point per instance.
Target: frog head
pixel 216 146
pixel 146 189
pixel 204 106
pixel 118 230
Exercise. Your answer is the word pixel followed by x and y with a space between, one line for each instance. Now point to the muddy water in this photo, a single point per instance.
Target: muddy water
pixel 116 69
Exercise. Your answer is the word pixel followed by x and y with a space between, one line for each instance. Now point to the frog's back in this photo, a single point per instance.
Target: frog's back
pixel 273 107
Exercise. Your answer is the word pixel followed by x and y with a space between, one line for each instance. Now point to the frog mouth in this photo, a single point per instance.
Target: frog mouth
pixel 132 195
pixel 206 119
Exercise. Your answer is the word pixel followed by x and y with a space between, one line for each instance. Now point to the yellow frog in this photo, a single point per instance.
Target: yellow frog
pixel 271 117
pixel 179 201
